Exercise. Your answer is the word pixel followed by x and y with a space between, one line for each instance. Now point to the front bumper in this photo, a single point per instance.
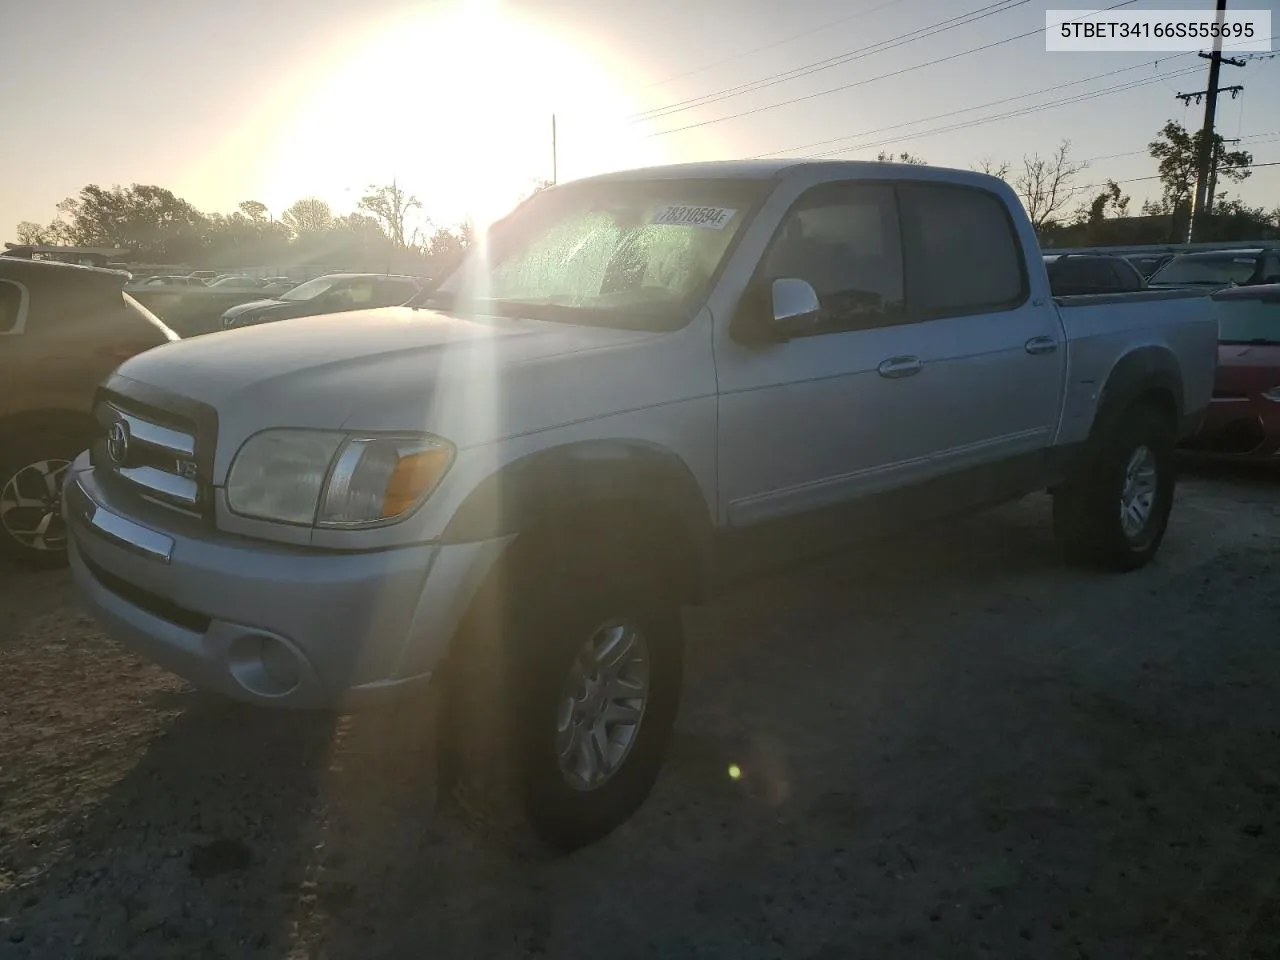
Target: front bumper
pixel 1238 428
pixel 266 623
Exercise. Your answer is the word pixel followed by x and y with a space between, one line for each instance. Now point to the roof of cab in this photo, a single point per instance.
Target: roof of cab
pixel 781 168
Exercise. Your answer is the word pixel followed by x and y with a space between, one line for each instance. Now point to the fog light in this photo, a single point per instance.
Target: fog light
pixel 265 665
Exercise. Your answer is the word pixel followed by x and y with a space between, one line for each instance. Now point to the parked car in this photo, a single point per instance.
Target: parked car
pixel 203 275
pixel 235 282
pixel 1243 422
pixel 1076 274
pixel 1214 270
pixel 1148 263
pixel 655 381
pixel 149 283
pixel 62 330
pixel 334 293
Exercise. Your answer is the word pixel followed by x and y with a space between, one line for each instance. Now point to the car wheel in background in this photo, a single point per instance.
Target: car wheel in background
pixel 32 469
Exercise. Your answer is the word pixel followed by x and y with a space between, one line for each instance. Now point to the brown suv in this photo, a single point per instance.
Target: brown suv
pixel 63 329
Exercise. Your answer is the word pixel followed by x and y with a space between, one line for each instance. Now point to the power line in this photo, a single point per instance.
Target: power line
pixel 1143 152
pixel 860 83
pixel 973 16
pixel 1120 88
pixel 1092 186
pixel 951 113
pixel 979 121
pixel 769 46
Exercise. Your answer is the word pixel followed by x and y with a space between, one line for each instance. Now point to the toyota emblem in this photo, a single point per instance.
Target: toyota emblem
pixel 118 443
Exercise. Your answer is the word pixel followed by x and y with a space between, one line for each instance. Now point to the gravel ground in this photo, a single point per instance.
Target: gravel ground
pixel 954 747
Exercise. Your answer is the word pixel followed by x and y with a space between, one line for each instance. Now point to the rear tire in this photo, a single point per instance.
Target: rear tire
pixel 1113 514
pixel 32 470
pixel 511 697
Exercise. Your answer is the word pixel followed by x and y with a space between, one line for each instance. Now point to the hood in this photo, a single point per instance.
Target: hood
pixel 1247 368
pixel 372 370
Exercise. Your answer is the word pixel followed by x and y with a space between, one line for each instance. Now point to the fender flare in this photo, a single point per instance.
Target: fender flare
pixel 1150 371
pixel 564 481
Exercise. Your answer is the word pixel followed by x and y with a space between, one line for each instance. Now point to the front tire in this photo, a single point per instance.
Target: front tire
pixel 585 676
pixel 1113 514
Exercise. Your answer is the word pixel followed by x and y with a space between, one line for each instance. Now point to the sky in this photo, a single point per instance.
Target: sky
pixel 274 100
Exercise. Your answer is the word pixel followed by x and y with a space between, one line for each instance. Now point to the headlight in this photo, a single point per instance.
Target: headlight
pixel 333 479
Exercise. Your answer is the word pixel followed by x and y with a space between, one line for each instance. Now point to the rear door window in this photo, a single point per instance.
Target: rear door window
pixel 963 255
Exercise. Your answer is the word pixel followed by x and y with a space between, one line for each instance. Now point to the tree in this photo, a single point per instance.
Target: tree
pixel 989 166
pixel 149 220
pixel 903 157
pixel 1233 219
pixel 1178 153
pixel 1047 185
pixel 1109 199
pixel 391 205
pixel 309 215
pixel 29 231
pixel 255 211
pixel 446 247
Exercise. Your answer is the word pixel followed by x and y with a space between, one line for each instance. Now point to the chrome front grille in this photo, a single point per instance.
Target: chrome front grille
pixel 150 452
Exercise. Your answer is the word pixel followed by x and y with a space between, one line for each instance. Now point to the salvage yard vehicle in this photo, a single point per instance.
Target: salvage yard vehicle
pixel 1079 274
pixel 1217 269
pixel 332 293
pixel 1243 422
pixel 644 385
pixel 63 329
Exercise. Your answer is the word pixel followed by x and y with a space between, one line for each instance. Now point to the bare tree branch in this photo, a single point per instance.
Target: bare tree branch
pixel 1047 185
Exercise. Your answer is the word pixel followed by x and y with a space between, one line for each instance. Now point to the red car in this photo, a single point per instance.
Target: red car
pixel 1243 421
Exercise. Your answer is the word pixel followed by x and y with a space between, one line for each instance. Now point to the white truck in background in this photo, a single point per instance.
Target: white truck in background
pixel 640 385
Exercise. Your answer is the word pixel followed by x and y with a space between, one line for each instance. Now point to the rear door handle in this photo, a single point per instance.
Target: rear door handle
pixel 897 367
pixel 1038 345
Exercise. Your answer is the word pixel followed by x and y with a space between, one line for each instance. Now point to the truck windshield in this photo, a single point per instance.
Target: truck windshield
pixel 1248 321
pixel 1219 271
pixel 635 254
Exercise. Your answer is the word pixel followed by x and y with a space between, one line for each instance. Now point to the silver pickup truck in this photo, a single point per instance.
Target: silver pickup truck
pixel 638 386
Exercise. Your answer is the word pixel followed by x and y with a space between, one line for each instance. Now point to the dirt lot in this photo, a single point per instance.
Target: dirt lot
pixel 952 748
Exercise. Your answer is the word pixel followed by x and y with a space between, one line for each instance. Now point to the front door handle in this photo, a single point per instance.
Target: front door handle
pixel 897 367
pixel 1039 345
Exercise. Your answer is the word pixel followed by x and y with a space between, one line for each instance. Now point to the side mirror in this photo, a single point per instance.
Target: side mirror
pixel 775 312
pixel 795 304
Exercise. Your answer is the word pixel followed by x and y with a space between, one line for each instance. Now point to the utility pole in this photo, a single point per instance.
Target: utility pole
pixel 553 150
pixel 1206 159
pixel 1212 192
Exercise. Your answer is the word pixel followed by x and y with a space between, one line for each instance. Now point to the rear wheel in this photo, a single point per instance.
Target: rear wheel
pixel 1114 513
pixel 32 470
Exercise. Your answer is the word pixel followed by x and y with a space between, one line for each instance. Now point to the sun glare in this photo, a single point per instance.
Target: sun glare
pixel 456 105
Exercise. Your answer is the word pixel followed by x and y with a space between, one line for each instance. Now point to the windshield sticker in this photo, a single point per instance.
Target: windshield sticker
pixel 682 215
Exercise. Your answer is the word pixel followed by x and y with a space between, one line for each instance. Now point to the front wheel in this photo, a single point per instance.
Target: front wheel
pixel 577 698
pixel 1115 511
pixel 603 700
